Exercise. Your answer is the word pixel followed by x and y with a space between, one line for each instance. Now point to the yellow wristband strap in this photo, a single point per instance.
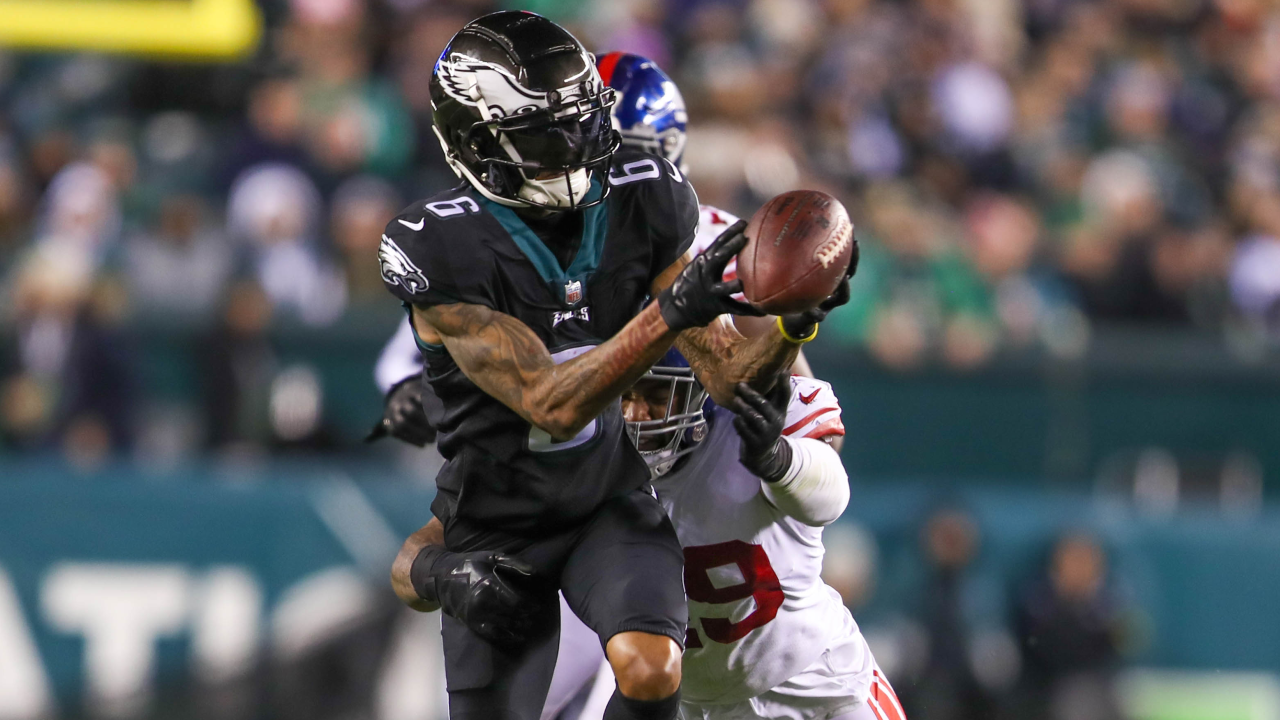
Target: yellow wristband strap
pixel 797 341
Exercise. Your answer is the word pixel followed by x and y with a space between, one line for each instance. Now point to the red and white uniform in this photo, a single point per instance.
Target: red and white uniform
pixel 767 638
pixel 711 222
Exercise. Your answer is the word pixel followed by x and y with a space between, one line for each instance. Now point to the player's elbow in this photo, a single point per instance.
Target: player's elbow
pixel 832 493
pixel 830 511
pixel 815 490
pixel 561 425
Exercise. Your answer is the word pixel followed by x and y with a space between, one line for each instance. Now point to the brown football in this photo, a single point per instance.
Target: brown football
pixel 799 245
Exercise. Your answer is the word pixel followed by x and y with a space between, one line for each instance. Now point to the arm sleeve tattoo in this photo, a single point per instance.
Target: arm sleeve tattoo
pixel 508 361
pixel 721 358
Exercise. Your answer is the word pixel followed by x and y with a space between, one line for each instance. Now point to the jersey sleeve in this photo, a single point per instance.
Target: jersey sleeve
pixel 427 259
pixel 666 199
pixel 711 222
pixel 814 411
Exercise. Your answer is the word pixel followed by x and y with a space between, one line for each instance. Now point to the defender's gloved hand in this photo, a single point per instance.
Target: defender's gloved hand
pixel 759 420
pixel 699 293
pixel 497 596
pixel 403 416
pixel 802 324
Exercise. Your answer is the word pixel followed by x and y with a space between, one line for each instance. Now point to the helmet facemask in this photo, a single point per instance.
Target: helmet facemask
pixel 664 439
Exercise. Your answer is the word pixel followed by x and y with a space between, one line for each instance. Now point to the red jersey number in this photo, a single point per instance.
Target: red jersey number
pixel 760 583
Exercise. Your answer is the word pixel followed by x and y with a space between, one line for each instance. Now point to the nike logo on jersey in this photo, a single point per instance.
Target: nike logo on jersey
pixel 411 226
pixel 808 399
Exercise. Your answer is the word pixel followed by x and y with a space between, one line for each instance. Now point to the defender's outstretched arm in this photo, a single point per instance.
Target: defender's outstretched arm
pixel 720 356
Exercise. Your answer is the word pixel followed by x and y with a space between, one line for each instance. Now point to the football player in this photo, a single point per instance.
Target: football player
pixel 767 638
pixel 649 115
pixel 748 492
pixel 527 290
pixel 759 666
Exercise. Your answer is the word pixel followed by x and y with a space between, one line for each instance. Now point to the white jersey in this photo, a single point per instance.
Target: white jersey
pixel 711 222
pixel 760 617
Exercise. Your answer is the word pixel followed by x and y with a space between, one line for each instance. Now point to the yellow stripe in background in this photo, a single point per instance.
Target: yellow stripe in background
pixel 195 29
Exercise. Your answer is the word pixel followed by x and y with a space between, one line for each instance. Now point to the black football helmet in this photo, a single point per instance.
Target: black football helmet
pixel 521 113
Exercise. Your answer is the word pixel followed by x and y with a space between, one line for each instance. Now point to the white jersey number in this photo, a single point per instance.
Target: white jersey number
pixel 759 582
pixel 450 208
pixel 638 170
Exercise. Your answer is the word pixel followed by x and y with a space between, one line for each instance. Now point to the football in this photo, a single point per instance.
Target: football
pixel 799 245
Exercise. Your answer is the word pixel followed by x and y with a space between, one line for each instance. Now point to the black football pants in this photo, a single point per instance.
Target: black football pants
pixel 622 570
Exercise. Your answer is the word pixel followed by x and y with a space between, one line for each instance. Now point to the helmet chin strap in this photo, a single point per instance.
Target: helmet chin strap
pixel 560 191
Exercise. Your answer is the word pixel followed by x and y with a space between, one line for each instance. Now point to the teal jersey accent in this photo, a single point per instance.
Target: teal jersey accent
pixel 428 347
pixel 595 225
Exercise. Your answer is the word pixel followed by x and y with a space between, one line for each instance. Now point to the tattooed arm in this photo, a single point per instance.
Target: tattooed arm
pixel 721 357
pixel 508 361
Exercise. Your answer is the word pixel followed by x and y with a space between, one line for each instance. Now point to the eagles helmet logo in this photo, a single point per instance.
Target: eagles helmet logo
pixel 398 269
pixel 484 85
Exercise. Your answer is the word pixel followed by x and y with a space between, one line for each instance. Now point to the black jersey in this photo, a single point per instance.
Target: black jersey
pixel 459 246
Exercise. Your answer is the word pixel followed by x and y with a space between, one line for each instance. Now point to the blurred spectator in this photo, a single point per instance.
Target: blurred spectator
pixel 1031 305
pixel 916 293
pixel 275 211
pixel 238 365
pixel 1019 172
pixel 1070 627
pixel 272 132
pixel 80 219
pixel 361 208
pixel 75 382
pixel 351 119
pixel 963 660
pixel 849 564
pixel 178 269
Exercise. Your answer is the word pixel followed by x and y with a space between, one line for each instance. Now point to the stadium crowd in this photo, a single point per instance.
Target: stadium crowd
pixel 1019 172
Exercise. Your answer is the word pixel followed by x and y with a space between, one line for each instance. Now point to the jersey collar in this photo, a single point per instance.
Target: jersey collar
pixel 595 225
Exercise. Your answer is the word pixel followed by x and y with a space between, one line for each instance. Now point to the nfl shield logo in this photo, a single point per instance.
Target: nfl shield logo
pixel 572 292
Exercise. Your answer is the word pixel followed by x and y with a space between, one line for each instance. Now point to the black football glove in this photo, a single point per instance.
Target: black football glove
pixel 759 420
pixel 497 596
pixel 403 417
pixel 699 293
pixel 801 324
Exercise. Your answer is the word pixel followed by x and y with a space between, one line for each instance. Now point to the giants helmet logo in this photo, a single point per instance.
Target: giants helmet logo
pixel 398 269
